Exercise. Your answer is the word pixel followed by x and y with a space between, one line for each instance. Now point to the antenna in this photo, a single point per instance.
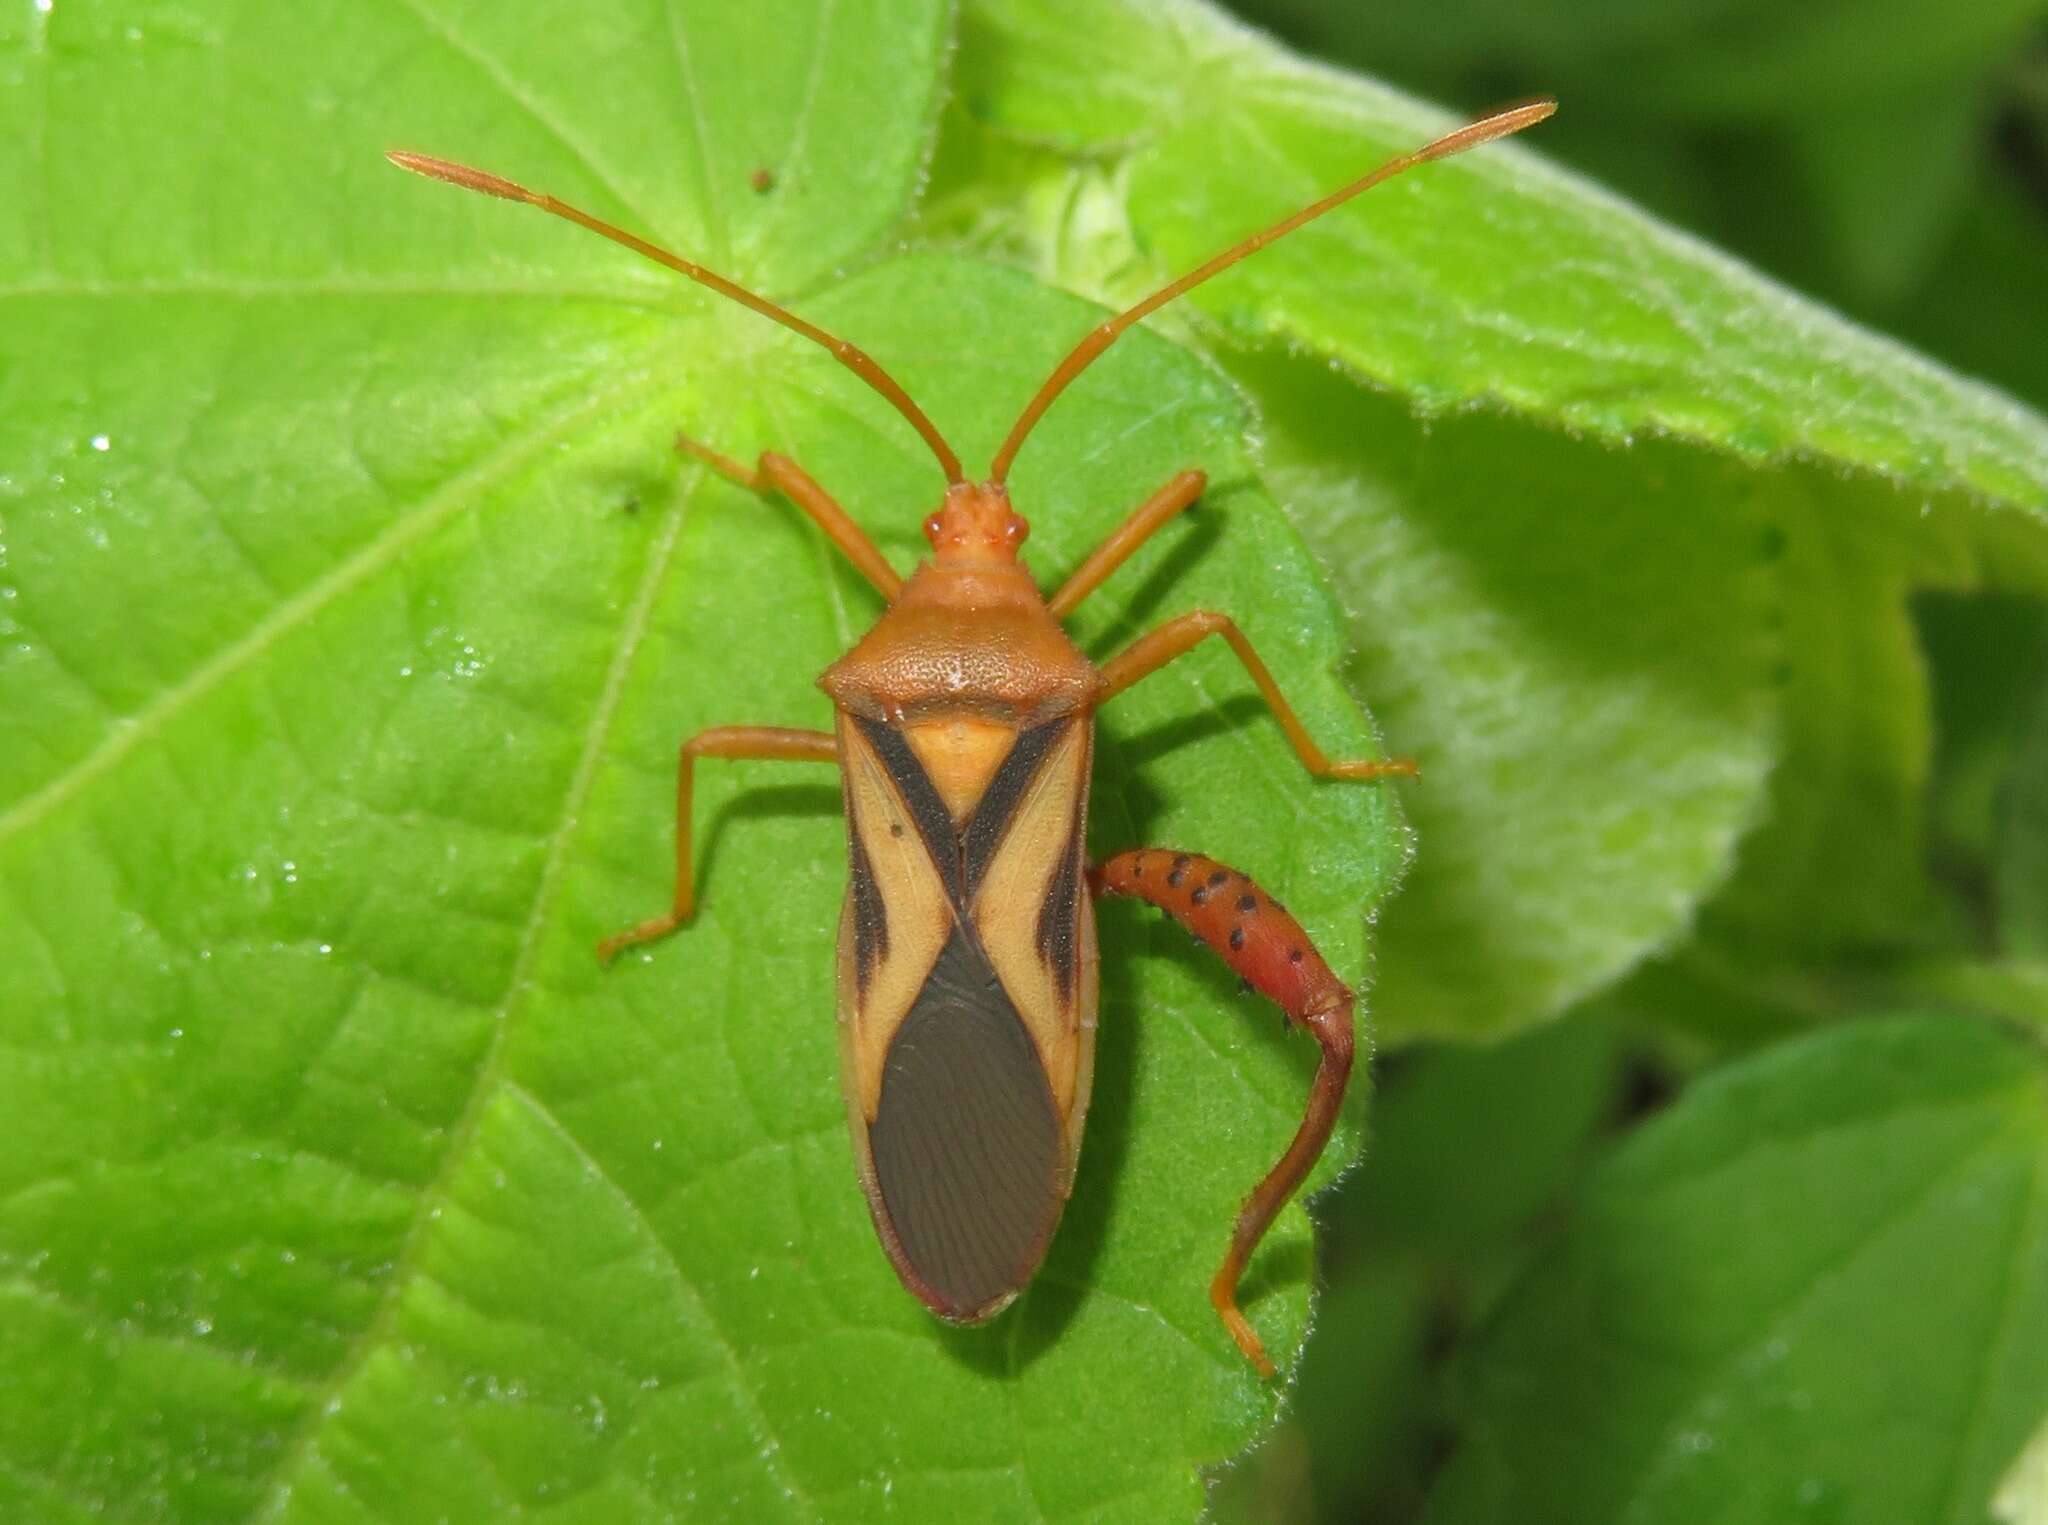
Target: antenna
pixel 854 358
pixel 1498 125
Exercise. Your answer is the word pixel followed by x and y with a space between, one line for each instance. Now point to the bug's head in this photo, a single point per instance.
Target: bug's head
pixel 976 524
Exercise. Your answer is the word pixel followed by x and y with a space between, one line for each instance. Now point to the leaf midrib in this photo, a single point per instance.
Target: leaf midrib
pixel 2026 1232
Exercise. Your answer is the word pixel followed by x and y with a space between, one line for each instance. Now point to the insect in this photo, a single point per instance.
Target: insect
pixel 964 723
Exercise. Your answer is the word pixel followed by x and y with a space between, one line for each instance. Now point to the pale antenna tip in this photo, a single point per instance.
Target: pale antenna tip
pixel 458 174
pixel 1498 124
pixel 1527 113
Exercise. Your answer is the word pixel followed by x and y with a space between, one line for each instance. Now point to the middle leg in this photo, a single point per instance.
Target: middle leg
pixel 761 743
pixel 1150 652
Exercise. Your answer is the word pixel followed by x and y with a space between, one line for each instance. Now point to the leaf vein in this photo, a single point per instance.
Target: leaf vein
pixel 431 512
pixel 509 89
pixel 518 982
pixel 2025 1232
pixel 771 1443
pixel 1792 1307
pixel 17 1284
pixel 686 69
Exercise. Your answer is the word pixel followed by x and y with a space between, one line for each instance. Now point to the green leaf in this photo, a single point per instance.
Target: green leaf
pixel 355 607
pixel 1842 866
pixel 1840 190
pixel 1840 863
pixel 1816 1288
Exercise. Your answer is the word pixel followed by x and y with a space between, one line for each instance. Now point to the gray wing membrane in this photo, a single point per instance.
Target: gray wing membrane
pixel 966 1142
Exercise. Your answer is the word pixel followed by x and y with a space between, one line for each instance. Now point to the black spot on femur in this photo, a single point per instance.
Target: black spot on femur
pixel 1247 902
pixel 1294 955
pixel 1237 937
pixel 1218 879
pixel 1200 895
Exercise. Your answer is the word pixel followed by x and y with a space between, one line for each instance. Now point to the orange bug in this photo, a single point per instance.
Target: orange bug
pixel 964 728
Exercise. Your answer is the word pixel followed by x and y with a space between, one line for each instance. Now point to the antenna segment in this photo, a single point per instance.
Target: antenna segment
pixel 1498 125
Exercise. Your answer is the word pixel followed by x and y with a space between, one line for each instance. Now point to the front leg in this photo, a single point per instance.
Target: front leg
pixel 1255 936
pixel 765 743
pixel 1145 521
pixel 778 473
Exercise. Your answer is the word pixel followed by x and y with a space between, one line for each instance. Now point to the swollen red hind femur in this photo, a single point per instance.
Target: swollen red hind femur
pixel 976 523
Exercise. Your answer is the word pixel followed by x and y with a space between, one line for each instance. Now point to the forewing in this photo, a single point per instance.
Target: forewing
pixel 966 1145
pixel 966 1003
pixel 899 914
pixel 1031 911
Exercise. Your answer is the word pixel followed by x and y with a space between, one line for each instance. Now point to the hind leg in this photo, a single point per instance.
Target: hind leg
pixel 1254 935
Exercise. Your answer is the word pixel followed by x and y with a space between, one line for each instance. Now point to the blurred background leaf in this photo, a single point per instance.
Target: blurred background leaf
pixel 2019 844
pixel 1817 1288
pixel 1889 160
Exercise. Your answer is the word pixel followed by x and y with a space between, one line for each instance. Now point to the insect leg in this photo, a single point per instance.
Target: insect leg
pixel 1176 637
pixel 778 473
pixel 1255 936
pixel 1177 494
pixel 762 743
